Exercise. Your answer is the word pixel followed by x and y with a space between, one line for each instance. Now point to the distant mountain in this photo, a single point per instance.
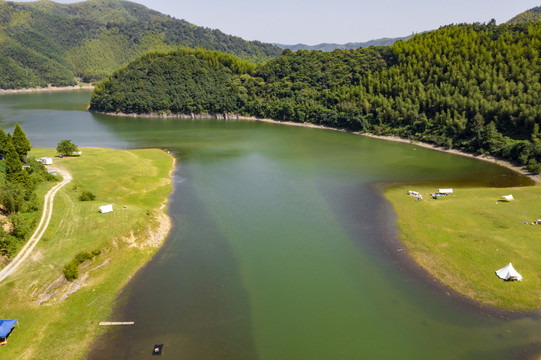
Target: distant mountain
pixel 348 46
pixel 531 15
pixel 44 42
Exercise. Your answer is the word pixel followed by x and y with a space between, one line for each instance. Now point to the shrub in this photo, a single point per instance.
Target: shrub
pixel 82 257
pixel 71 271
pixel 87 196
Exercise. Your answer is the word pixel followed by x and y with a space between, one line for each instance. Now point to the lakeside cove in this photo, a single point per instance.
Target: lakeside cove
pixel 274 231
pixel 411 227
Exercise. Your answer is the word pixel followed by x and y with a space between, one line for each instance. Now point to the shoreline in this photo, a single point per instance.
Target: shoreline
pixel 158 235
pixel 47 89
pixel 487 158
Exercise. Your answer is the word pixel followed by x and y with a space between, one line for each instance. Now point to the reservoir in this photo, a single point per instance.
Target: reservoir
pixel 283 246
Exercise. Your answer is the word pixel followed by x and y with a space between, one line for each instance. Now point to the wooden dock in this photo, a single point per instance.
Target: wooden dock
pixel 106 323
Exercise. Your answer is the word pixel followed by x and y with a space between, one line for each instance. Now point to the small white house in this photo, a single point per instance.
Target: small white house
pixel 77 153
pixel 46 160
pixel 106 208
pixel 413 193
pixel 538 222
pixel 445 191
pixel 507 198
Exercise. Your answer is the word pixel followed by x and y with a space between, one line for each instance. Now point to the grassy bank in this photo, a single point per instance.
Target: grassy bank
pixel 464 238
pixel 55 324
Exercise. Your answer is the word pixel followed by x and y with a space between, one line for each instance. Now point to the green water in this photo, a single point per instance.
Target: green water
pixel 283 246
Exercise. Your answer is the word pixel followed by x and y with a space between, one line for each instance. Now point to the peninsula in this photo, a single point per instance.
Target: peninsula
pixel 48 306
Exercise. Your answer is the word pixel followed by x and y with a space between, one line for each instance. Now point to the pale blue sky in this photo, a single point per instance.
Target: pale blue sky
pixel 339 21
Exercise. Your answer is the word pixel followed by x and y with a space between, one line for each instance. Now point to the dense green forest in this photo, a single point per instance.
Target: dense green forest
pixel 19 176
pixel 44 42
pixel 181 81
pixel 473 87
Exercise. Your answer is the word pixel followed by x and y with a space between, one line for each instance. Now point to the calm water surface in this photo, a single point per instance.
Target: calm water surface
pixel 281 242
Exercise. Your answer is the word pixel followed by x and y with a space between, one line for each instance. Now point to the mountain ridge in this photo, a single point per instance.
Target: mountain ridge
pixel 47 43
pixel 347 46
pixel 531 15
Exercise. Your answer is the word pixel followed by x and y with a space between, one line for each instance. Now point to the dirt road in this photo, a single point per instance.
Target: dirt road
pixel 40 230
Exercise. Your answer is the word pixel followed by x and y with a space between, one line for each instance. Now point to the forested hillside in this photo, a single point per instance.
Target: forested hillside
pixel 474 87
pixel 181 81
pixel 531 15
pixel 44 42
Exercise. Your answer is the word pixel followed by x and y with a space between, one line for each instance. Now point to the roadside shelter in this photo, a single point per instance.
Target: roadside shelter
pixel 6 327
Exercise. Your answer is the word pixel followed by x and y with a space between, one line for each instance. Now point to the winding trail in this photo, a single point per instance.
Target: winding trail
pixel 40 230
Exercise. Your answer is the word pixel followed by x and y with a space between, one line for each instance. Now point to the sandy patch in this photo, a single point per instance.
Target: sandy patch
pixel 47 89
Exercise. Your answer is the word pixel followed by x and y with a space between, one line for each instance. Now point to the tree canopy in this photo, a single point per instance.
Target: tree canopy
pixel 18 199
pixel 20 141
pixel 66 147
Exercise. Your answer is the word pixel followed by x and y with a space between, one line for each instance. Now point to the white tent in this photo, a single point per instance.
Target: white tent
pixel 106 208
pixel 509 273
pixel 445 191
pixel 508 197
pixel 46 160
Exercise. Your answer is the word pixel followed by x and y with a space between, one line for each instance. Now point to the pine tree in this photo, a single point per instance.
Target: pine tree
pixel 20 142
pixel 13 162
pixel 14 168
pixel 3 142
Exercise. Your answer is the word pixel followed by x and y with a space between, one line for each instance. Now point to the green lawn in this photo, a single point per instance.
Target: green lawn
pixel 465 237
pixel 137 182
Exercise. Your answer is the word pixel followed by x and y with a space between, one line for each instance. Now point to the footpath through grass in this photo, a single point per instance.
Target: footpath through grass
pixel 54 324
pixel 464 238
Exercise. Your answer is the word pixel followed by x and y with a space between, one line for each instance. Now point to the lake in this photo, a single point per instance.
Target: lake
pixel 283 246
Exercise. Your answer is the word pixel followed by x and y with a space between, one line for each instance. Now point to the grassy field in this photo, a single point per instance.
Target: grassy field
pixel 465 237
pixel 53 323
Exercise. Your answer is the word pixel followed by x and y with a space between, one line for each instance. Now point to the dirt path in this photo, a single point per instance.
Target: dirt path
pixel 40 230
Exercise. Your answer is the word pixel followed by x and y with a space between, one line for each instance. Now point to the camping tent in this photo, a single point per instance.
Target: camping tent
pixel 5 328
pixel 46 161
pixel 508 198
pixel 509 273
pixel 106 208
pixel 445 191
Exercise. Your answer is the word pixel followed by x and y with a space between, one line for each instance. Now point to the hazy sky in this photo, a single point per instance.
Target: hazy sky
pixel 339 21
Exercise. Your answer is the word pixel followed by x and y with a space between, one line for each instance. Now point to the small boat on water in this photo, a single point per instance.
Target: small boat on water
pixel 157 349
